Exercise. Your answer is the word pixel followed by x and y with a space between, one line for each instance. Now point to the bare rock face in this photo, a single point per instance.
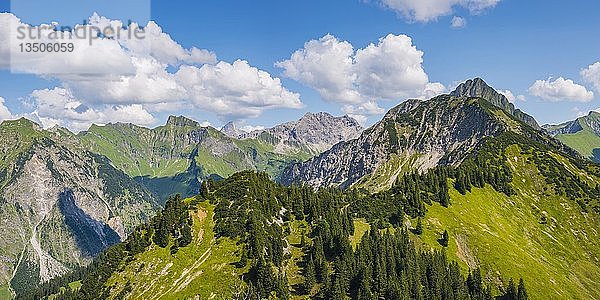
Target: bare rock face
pixel 479 89
pixel 313 133
pixel 422 134
pixel 230 129
pixel 60 206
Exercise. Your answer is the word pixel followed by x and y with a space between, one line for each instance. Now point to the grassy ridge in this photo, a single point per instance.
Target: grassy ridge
pixel 537 235
pixel 21 133
pixel 137 150
pixel 195 270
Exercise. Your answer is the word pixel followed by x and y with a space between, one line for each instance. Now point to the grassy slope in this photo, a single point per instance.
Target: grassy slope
pixel 584 141
pixel 385 175
pixel 18 136
pixel 360 228
pixel 138 158
pixel 293 266
pixel 5 292
pixel 558 259
pixel 267 160
pixel 203 268
pixel 109 141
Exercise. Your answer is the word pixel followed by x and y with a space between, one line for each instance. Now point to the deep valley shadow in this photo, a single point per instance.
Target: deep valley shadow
pixel 91 236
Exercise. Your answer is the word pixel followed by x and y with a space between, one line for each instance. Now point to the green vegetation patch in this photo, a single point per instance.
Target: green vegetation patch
pixel 534 234
pixel 195 270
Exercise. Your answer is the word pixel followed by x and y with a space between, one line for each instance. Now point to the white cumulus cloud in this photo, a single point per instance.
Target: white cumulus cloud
pixel 104 56
pixel 5 114
pixel 511 97
pixel 430 10
pixel 58 106
pixel 591 75
pixel 458 22
pixel 392 69
pixel 150 74
pixel 151 83
pixel 205 124
pixel 361 112
pixel 250 128
pixel 368 108
pixel 389 70
pixel 326 65
pixel 432 89
pixel 161 46
pixel 560 89
pixel 235 90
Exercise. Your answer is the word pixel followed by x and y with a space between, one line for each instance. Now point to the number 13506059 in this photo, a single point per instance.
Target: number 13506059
pixel 46 47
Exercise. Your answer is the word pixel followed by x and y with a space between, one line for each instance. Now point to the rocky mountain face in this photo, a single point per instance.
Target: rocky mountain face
pixel 176 157
pixel 60 205
pixel 478 88
pixel 313 133
pixel 230 129
pixel 415 135
pixel 591 121
pixel 581 134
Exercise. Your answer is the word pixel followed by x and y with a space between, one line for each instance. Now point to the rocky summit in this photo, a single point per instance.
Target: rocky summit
pixel 415 135
pixel 313 133
pixel 478 88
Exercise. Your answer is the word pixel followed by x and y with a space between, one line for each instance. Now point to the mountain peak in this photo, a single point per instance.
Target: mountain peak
pixel 327 117
pixel 181 121
pixel 313 132
pixel 321 114
pixel 230 129
pixel 594 113
pixel 21 123
pixel 480 89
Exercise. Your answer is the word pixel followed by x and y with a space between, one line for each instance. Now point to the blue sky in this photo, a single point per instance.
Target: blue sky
pixel 511 45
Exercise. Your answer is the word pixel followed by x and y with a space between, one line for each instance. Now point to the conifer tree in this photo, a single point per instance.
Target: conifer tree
pixel 522 292
pixel 511 291
pixel 419 228
pixel 445 238
pixel 309 275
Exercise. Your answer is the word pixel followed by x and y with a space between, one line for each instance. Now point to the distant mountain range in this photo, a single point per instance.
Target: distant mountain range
pixel 313 133
pixel 582 134
pixel 177 156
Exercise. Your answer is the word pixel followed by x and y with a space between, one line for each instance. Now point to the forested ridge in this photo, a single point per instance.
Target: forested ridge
pixel 254 210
